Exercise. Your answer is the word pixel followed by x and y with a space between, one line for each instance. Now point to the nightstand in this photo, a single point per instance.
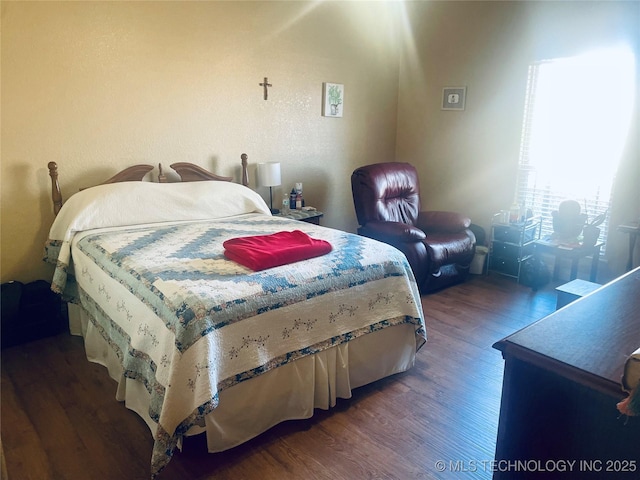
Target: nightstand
pixel 309 216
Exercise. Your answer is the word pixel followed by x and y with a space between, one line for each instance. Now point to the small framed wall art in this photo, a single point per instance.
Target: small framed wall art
pixel 453 98
pixel 332 99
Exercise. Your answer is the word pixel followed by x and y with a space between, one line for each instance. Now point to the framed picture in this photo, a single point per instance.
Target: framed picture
pixel 453 98
pixel 332 99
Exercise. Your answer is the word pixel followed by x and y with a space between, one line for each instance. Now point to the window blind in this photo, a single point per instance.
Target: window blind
pixel 573 133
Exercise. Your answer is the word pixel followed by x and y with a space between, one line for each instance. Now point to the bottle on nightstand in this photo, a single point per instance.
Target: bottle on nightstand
pixel 292 199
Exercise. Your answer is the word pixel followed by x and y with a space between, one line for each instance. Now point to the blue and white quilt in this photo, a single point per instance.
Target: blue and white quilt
pixel 187 322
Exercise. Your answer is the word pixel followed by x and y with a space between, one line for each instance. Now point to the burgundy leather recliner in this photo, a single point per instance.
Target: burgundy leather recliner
pixel 439 245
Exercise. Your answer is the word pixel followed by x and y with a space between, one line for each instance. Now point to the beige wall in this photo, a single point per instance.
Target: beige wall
pixel 467 160
pixel 97 86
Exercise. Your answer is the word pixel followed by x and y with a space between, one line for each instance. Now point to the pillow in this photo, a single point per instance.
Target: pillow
pixel 136 203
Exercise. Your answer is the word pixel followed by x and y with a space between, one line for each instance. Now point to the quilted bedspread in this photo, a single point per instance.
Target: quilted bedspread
pixel 188 322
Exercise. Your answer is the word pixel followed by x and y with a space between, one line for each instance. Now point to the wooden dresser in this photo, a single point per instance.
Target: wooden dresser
pixel 561 385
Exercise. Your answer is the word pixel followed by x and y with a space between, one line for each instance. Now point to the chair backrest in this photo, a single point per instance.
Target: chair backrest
pixel 386 192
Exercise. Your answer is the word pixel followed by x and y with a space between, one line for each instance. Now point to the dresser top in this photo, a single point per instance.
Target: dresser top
pixel 589 340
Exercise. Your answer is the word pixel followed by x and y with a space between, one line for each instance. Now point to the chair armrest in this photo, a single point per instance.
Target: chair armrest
pixel 444 222
pixel 392 232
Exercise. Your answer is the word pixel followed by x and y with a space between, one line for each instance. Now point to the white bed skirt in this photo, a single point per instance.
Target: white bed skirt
pixel 289 392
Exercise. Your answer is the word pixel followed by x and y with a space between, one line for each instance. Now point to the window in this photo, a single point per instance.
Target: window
pixel 577 118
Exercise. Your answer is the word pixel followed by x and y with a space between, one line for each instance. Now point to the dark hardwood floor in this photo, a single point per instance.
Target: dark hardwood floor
pixel 60 419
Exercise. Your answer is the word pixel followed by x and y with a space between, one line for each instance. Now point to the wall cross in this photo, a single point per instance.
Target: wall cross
pixel 265 85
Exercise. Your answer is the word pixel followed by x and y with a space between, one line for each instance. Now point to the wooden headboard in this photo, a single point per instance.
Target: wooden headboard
pixel 188 172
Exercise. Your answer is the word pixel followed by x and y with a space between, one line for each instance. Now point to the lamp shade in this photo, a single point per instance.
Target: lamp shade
pixel 269 174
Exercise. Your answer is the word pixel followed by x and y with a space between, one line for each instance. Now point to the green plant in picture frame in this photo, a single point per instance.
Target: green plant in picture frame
pixel 333 99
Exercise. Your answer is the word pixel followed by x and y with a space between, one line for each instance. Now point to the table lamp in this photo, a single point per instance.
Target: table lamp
pixel 269 176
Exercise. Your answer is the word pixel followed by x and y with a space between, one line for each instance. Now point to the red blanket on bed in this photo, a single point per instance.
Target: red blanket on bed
pixel 266 251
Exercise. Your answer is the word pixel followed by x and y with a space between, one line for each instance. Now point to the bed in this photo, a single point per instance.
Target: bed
pixel 198 343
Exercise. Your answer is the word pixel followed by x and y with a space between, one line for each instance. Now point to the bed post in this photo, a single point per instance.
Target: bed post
pixel 161 176
pixel 56 194
pixel 245 174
